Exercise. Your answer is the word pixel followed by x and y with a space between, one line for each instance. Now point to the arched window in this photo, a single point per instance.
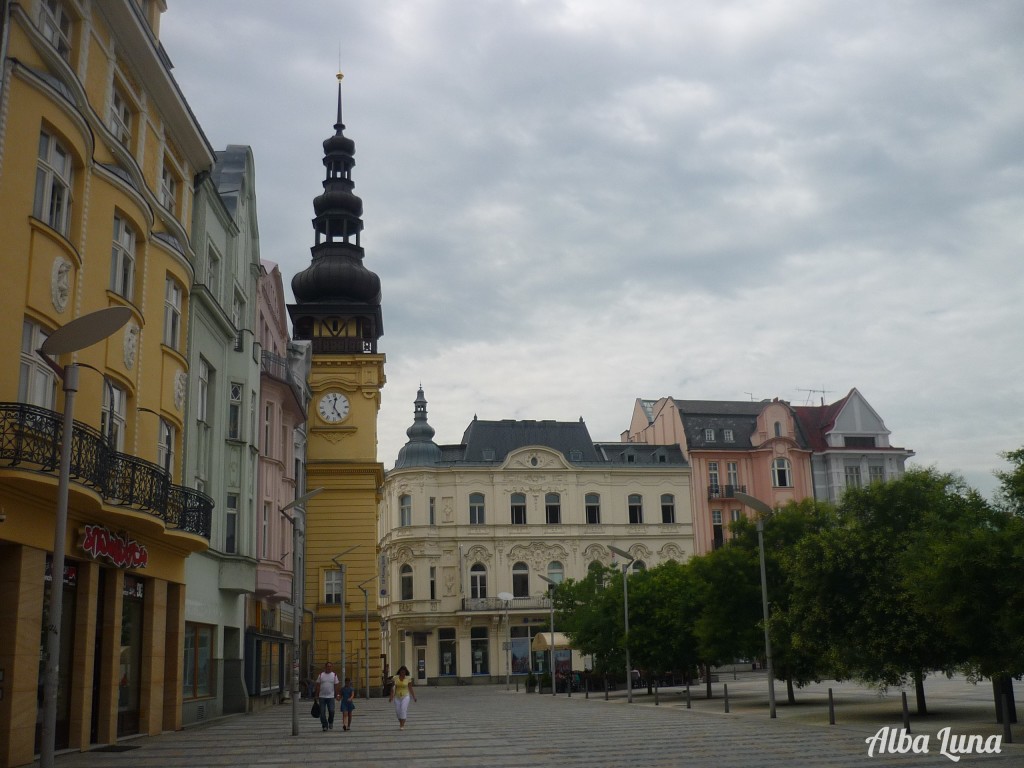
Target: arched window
pixel 668 508
pixel 639 565
pixel 517 506
pixel 521 580
pixel 553 508
pixel 405 580
pixel 556 572
pixel 476 509
pixel 636 509
pixel 778 429
pixel 781 476
pixel 592 501
pixel 405 509
pixel 478 581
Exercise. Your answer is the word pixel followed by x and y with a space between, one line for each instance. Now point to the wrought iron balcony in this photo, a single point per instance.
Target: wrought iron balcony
pixel 30 439
pixel 725 491
pixel 495 604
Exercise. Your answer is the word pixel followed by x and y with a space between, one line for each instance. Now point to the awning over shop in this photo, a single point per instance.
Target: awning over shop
pixel 542 641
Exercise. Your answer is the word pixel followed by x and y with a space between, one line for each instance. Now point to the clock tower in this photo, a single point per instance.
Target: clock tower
pixel 337 309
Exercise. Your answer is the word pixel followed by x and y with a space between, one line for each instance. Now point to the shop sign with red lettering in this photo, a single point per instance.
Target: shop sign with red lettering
pixel 99 542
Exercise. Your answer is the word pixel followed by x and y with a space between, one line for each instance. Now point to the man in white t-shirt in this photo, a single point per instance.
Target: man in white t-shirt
pixel 328 688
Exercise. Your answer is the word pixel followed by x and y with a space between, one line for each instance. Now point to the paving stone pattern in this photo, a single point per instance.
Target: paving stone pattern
pixel 489 727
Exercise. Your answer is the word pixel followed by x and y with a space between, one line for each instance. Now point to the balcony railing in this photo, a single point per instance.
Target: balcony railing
pixel 494 604
pixel 30 438
pixel 277 367
pixel 725 491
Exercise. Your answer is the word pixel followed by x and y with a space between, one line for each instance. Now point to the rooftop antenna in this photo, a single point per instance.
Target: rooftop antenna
pixel 751 395
pixel 810 392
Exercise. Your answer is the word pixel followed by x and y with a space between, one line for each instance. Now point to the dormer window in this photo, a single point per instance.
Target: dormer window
pixel 709 435
pixel 727 435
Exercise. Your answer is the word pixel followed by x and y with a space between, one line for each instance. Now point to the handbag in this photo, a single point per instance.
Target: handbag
pixel 315 709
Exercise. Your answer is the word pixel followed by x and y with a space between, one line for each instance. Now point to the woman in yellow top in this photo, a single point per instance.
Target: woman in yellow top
pixel 401 692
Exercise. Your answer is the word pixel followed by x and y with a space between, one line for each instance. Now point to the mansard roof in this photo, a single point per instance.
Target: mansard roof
pixel 740 416
pixel 699 415
pixel 490 441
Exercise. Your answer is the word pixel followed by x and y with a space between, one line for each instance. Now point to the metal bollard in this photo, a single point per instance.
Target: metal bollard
pixel 831 709
pixel 725 686
pixel 688 704
pixel 906 713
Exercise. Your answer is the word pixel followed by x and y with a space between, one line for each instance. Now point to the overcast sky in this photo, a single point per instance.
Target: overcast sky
pixel 575 203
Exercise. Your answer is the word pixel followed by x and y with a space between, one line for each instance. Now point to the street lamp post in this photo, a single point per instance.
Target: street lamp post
pixel 507 597
pixel 551 649
pixel 296 612
pixel 366 628
pixel 759 506
pixel 625 602
pixel 344 569
pixel 80 333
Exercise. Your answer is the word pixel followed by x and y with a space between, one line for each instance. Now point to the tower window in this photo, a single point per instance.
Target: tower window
pixel 781 476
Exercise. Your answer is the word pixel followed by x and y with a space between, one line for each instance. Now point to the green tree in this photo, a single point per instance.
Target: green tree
pixel 852 604
pixel 726 584
pixel 783 531
pixel 662 608
pixel 966 575
pixel 1010 496
pixel 591 615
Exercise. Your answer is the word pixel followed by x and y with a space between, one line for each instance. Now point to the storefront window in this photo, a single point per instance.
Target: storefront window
pixel 198 672
pixel 270 665
pixel 479 642
pixel 446 649
pixel 520 650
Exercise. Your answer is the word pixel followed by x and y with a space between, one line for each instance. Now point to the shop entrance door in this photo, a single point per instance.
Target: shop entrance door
pixel 421 663
pixel 129 690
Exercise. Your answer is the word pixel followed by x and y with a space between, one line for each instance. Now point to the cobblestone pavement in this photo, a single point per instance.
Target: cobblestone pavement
pixel 489 726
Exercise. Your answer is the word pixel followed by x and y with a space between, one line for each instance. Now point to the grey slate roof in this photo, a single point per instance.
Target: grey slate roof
pixel 490 443
pixel 738 415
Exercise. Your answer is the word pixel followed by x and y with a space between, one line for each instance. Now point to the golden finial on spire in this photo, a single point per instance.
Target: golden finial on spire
pixel 340 76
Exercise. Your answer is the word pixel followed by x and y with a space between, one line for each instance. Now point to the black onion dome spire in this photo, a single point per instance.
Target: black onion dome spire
pixel 421 450
pixel 337 273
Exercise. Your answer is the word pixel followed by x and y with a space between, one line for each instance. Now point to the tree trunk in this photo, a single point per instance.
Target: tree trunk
pixel 790 697
pixel 707 680
pixel 922 707
pixel 1000 685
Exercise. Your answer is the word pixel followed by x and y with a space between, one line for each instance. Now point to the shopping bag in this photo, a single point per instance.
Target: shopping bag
pixel 315 711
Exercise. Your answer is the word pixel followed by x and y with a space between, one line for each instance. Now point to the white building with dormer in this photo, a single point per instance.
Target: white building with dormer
pixel 462 525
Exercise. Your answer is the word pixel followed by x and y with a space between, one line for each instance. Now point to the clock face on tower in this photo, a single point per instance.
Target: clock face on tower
pixel 333 407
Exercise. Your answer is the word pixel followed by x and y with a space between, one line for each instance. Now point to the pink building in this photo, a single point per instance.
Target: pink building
pixel 752 447
pixel 278 418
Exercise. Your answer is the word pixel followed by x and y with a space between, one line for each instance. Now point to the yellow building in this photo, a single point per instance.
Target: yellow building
pixel 337 309
pixel 98 152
